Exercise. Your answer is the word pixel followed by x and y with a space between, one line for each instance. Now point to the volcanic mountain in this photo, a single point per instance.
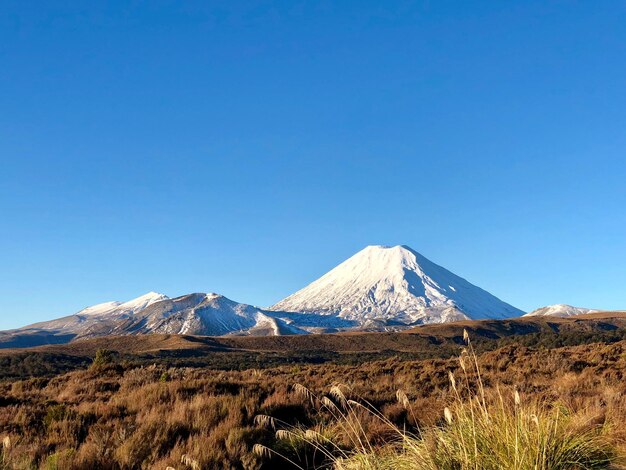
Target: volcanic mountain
pixel 395 285
pixel 193 314
pixel 379 288
pixel 559 310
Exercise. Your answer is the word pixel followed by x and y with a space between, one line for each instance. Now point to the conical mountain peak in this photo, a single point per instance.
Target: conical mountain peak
pixel 381 287
pixel 395 283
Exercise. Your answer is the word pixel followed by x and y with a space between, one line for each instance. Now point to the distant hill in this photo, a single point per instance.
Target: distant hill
pixel 237 352
pixel 559 310
pixel 379 289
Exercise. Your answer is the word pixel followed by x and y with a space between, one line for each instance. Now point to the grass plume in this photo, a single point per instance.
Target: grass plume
pixel 479 431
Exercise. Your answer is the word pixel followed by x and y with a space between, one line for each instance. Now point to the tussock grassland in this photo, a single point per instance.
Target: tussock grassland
pixel 482 429
pixel 245 352
pixel 120 416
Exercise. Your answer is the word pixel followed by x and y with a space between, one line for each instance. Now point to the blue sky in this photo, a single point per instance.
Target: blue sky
pixel 246 148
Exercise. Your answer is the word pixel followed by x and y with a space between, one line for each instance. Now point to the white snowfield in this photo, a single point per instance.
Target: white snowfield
pixel 119 308
pixel 559 310
pixel 378 289
pixel 395 283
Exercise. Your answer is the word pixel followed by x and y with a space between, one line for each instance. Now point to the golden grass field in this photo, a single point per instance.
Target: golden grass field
pixel 519 400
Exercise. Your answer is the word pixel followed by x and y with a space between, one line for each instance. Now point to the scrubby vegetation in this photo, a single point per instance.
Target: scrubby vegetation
pixel 125 415
pixel 243 353
pixel 481 429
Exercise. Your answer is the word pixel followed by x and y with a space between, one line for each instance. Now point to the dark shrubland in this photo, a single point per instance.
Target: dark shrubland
pixel 125 415
pixel 243 353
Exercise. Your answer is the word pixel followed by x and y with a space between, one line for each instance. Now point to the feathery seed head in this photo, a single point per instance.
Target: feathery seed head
pixel 190 462
pixel 302 391
pixel 452 380
pixel 313 436
pixel 462 362
pixel 534 419
pixel 336 392
pixel 402 398
pixel 328 403
pixel 261 450
pixel 283 434
pixel 265 421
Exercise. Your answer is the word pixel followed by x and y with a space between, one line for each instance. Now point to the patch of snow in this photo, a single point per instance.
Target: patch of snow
pixel 140 303
pixel 99 309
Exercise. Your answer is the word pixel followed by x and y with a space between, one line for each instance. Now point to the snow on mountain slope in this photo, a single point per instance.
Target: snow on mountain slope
pixel 395 284
pixel 98 314
pixel 140 303
pixel 128 308
pixel 208 314
pixel 194 314
pixel 378 289
pixel 559 310
pixel 100 309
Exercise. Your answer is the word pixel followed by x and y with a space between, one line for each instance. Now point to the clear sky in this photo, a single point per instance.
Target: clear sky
pixel 245 148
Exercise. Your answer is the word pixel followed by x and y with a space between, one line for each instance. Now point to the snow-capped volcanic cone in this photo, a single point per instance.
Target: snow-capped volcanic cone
pixel 378 289
pixel 395 284
pixel 559 310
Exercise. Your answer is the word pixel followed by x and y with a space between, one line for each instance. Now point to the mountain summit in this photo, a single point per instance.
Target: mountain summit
pixel 193 314
pixel 395 284
pixel 380 288
pixel 559 310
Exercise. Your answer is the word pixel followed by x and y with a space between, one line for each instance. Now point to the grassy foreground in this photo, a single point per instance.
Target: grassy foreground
pixel 120 415
pixel 479 431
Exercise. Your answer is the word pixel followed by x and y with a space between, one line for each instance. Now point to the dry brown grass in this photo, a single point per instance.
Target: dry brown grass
pixel 119 417
pixel 482 429
pixel 414 339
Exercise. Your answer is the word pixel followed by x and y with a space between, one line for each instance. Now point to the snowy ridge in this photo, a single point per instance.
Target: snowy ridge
pixel 125 308
pixel 193 314
pixel 99 314
pixel 210 314
pixel 378 289
pixel 559 310
pixel 142 302
pixel 100 309
pixel 395 283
